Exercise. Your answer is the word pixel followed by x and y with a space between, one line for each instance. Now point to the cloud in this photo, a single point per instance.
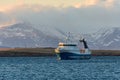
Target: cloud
pixel 78 17
pixel 86 3
pixel 6 20
pixel 37 7
pixel 20 5
pixel 74 20
pixel 11 7
pixel 7 23
pixel 7 9
pixel 109 3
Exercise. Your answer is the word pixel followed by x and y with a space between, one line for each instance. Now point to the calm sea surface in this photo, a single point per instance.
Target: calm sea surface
pixel 48 68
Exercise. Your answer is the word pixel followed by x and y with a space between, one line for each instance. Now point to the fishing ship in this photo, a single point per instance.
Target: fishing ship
pixel 70 51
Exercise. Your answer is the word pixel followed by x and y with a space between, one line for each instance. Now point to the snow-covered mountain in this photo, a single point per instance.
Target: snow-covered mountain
pixel 108 38
pixel 24 35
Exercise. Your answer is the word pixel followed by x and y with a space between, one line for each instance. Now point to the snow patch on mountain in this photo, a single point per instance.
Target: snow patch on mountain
pixel 108 43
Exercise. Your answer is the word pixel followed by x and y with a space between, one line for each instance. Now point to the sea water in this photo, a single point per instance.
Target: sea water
pixel 49 68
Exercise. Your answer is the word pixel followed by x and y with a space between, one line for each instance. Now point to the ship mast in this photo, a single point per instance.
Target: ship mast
pixel 68 38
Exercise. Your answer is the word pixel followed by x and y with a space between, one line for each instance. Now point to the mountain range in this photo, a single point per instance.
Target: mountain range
pixel 25 35
pixel 108 39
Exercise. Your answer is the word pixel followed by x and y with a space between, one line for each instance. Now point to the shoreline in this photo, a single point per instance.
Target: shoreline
pixel 37 52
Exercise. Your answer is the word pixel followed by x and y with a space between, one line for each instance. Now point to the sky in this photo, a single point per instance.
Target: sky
pixel 79 16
